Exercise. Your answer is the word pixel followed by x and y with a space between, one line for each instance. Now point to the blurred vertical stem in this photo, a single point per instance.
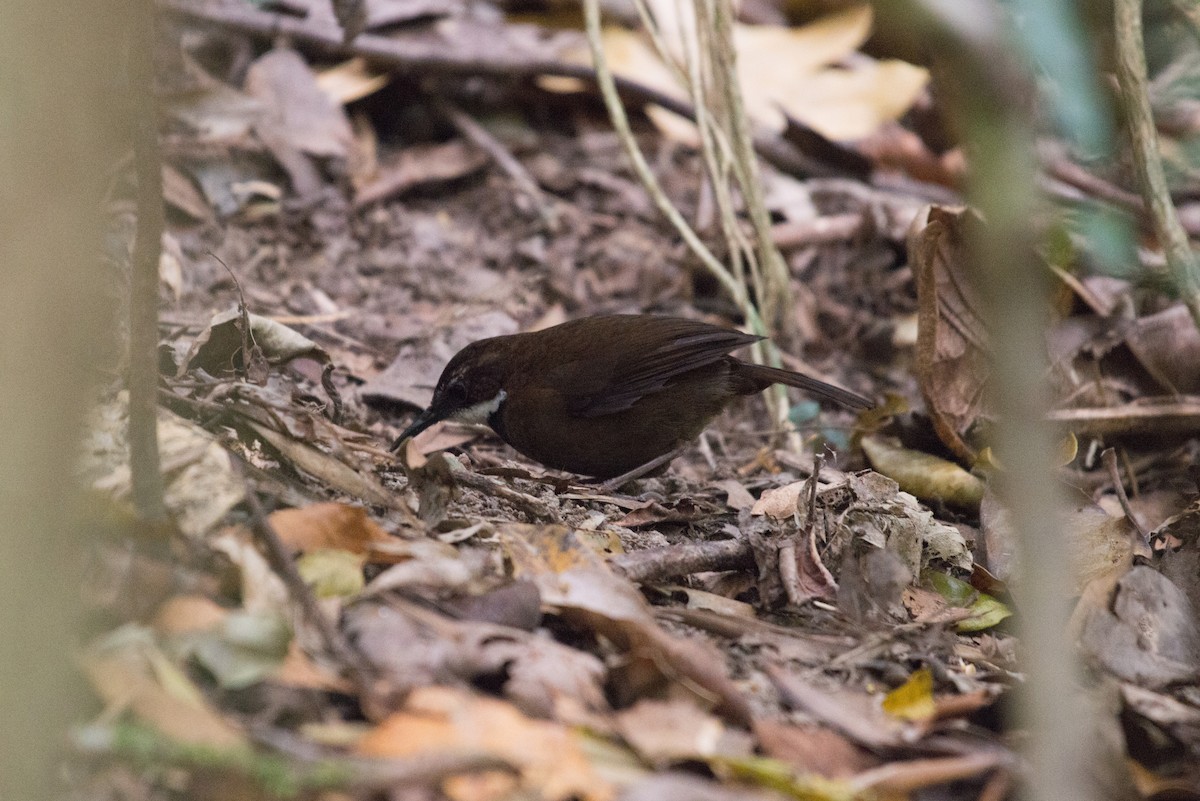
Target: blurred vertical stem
pixel 1135 101
pixel 142 378
pixel 988 93
pixel 58 135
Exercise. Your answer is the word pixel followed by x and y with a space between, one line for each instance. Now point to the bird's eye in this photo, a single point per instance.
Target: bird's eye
pixel 456 393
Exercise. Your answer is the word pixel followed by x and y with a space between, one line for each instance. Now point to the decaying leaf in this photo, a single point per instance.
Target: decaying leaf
pixel 329 469
pixel 952 350
pixel 201 487
pixel 420 165
pixel 417 648
pixel 333 572
pixel 928 477
pixel 547 756
pixel 1098 543
pixel 218 349
pixel 985 611
pixel 870 507
pixel 812 749
pixel 1149 636
pixel 665 732
pixel 296 111
pixel 1168 345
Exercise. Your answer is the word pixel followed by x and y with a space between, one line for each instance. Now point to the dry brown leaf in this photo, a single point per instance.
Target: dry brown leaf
pixel 856 715
pixel 1168 345
pixel 952 355
pixel 812 749
pixel 663 732
pixel 329 469
pixel 779 502
pixel 439 720
pixel 218 348
pixel 737 496
pixel 295 108
pixel 419 165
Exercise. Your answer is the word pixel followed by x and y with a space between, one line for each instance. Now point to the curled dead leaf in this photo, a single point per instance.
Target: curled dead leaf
pixel 928 477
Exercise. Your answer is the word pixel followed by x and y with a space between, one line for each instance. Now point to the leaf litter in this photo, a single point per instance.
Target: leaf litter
pixel 745 626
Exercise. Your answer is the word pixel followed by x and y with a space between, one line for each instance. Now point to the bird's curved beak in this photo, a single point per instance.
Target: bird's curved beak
pixel 424 420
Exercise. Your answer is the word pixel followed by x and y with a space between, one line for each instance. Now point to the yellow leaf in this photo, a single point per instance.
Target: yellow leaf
pixel 912 700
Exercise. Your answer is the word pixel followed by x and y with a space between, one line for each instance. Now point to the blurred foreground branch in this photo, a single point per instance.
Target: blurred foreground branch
pixel 57 109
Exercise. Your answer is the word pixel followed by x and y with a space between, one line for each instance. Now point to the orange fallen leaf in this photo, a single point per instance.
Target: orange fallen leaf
pixel 546 755
pixel 328 525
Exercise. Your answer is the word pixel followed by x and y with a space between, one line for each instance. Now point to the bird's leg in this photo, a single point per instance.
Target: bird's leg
pixel 613 484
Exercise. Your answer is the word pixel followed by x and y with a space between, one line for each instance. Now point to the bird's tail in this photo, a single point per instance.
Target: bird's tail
pixel 760 377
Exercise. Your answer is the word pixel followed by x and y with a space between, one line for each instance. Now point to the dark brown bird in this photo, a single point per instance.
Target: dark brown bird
pixel 604 396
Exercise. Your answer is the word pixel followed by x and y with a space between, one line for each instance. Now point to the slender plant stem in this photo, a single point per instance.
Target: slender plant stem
pixel 620 121
pixel 146 474
pixel 729 281
pixel 1131 76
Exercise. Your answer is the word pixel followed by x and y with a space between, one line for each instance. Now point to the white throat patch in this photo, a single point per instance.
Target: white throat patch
pixel 480 412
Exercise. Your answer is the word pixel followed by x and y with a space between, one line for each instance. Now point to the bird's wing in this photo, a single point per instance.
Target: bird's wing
pixel 672 347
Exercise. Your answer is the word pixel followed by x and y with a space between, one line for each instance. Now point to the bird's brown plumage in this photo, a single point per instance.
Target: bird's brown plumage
pixel 601 396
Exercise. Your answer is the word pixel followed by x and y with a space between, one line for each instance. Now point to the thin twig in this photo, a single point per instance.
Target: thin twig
pixel 243 316
pixel 523 502
pixel 616 112
pixel 144 463
pixel 658 564
pixel 1142 543
pixel 620 121
pixel 773 284
pixel 1131 76
pixel 335 642
pixel 335 397
pixel 472 130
